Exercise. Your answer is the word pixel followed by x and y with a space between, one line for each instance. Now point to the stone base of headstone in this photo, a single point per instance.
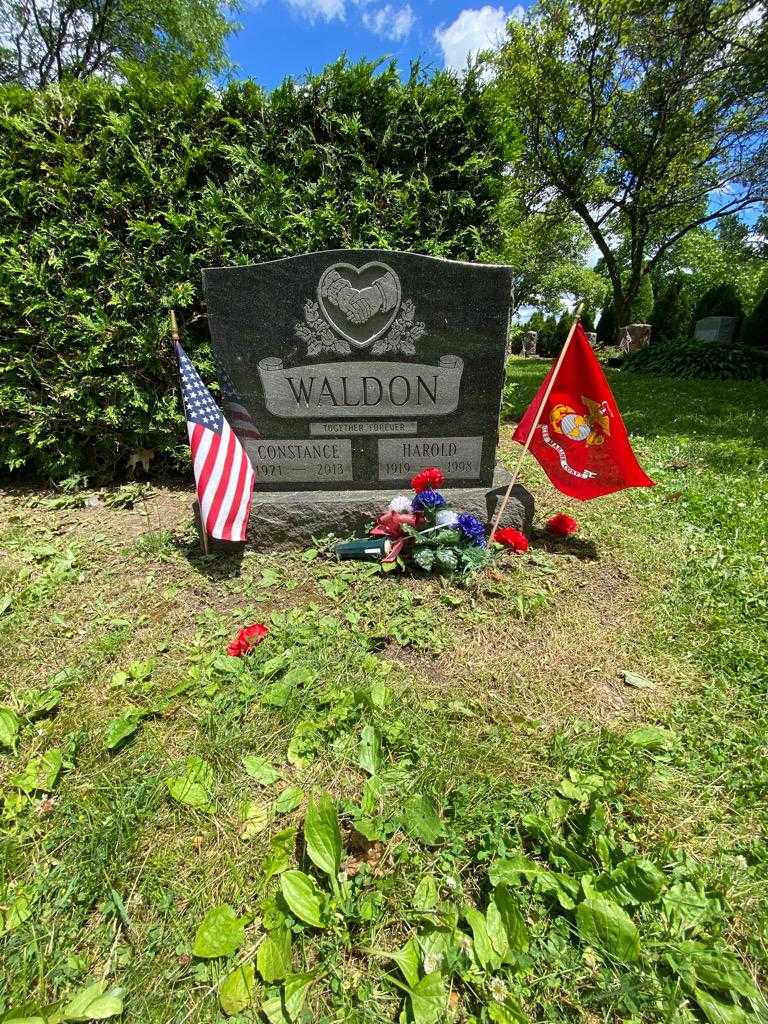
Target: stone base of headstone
pixel 293 518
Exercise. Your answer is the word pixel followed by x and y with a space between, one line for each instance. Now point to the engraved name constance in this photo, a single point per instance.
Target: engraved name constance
pixel 360 308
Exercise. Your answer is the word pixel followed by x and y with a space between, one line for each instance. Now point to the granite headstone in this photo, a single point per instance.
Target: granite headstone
pixel 715 328
pixel 351 370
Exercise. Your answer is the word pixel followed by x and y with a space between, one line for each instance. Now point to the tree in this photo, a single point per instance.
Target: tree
pixel 606 325
pixel 642 304
pixel 755 330
pixel 672 310
pixel 46 41
pixel 547 253
pixel 646 120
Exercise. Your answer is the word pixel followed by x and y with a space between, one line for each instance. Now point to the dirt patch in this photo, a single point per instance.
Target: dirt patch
pixel 563 663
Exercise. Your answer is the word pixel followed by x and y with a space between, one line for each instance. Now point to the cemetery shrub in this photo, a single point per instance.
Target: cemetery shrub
pixel 755 329
pixel 671 315
pixel 682 358
pixel 115 197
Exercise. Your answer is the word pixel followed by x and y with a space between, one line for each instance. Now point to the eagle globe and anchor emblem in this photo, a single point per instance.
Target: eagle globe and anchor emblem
pixel 591 427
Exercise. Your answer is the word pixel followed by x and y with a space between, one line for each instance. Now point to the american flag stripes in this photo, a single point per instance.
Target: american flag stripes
pixel 238 416
pixel 223 472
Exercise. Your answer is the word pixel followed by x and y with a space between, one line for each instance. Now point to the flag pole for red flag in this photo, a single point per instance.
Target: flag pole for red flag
pixel 534 425
pixel 203 532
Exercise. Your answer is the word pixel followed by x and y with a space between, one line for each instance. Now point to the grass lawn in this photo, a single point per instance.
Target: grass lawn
pixel 549 783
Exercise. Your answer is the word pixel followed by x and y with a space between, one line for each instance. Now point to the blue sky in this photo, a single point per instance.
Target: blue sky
pixel 290 37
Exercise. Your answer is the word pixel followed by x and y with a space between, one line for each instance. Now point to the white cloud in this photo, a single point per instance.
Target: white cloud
pixel 390 22
pixel 313 10
pixel 474 29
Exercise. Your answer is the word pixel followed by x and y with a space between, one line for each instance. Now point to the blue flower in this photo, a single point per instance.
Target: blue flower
pixel 472 529
pixel 427 501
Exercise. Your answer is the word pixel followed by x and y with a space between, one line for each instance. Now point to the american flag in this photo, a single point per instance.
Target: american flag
pixel 238 416
pixel 223 472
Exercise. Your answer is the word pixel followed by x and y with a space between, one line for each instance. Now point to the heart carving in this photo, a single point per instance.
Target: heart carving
pixel 360 303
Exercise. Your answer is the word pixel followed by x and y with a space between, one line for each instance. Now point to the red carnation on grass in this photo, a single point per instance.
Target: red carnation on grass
pixel 247 638
pixel 562 525
pixel 511 538
pixel 428 480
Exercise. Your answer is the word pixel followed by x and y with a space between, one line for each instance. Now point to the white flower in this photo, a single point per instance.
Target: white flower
pixel 498 990
pixel 432 962
pixel 400 504
pixel 446 518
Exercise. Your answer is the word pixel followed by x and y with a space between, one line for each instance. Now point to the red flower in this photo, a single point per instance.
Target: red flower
pixel 428 479
pixel 390 524
pixel 247 638
pixel 511 538
pixel 562 525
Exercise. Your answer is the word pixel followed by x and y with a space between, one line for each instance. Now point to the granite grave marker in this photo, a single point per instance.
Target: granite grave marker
pixel 351 370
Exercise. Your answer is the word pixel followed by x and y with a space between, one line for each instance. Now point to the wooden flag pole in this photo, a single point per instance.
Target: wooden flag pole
pixel 537 417
pixel 196 510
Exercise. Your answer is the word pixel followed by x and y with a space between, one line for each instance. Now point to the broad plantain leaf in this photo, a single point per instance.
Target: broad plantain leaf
pixel 274 957
pixel 280 851
pixel 719 1012
pixel 285 1007
pixel 485 954
pixel 95 1002
pixel 428 1000
pixel 304 897
pixel 288 800
pixel 505 924
pixel 369 757
pixel 636 880
pixel 261 770
pixel 9 727
pixel 237 990
pixel 323 836
pixel 119 729
pixel 607 927
pixel 220 933
pixel 41 773
pixel 420 820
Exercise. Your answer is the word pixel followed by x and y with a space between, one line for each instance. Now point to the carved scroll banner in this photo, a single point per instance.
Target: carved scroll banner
pixel 355 389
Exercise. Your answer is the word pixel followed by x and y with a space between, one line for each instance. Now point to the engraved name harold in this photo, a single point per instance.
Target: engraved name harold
pixel 336 390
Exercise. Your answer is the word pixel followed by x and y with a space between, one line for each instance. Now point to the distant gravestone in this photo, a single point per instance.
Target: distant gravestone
pixel 592 338
pixel 346 372
pixel 715 328
pixel 529 342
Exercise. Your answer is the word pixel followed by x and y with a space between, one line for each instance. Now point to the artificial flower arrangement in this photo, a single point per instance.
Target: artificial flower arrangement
pixel 425 531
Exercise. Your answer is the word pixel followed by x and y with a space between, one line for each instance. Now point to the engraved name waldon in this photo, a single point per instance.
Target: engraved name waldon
pixel 341 390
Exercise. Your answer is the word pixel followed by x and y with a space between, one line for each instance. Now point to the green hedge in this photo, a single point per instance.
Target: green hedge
pixel 114 198
pixel 700 359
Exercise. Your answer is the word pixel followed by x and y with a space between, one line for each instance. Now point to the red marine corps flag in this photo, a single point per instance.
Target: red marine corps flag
pixel 575 430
